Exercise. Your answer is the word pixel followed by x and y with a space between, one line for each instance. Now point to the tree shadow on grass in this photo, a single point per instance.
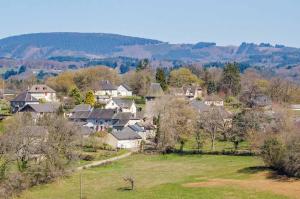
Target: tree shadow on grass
pixel 124 189
pixel 271 174
pixel 254 170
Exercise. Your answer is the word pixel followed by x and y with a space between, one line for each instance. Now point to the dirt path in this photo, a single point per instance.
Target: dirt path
pixel 290 188
pixel 101 162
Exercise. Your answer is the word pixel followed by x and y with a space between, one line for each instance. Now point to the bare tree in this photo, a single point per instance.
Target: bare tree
pixel 176 123
pixel 213 123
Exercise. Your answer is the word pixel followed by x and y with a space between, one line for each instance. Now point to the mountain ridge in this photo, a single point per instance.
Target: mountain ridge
pixel 37 49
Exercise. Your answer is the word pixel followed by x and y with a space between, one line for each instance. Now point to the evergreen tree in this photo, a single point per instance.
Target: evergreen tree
pixel 89 98
pixel 161 78
pixel 231 81
pixel 143 64
pixel 76 95
pixel 211 87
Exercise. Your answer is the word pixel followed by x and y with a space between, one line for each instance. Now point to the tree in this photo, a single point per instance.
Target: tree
pixel 76 95
pixel 143 64
pixel 90 98
pixel 183 77
pixel 176 122
pixel 139 81
pixel 213 123
pixel 211 87
pixel 230 82
pixel 161 78
pixel 22 69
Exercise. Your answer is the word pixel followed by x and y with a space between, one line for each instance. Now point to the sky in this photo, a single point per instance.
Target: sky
pixel 226 22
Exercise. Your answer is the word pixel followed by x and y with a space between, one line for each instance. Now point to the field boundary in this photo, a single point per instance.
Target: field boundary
pixel 102 162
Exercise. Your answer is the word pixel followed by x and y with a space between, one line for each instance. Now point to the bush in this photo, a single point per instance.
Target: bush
pixel 284 158
pixel 292 158
pixel 273 152
pixel 87 157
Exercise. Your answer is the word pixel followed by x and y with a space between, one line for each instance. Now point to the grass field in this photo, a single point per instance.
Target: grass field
pixel 166 176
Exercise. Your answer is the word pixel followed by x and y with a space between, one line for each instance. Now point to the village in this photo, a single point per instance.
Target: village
pixel 92 116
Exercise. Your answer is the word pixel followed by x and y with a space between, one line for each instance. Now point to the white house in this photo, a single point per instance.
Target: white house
pixel 122 105
pixel 213 100
pixel 106 89
pixel 124 90
pixel 193 92
pixel 43 92
pixel 295 107
pixel 124 139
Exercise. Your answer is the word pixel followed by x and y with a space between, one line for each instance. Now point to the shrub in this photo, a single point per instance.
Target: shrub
pixel 292 158
pixel 273 153
pixel 87 157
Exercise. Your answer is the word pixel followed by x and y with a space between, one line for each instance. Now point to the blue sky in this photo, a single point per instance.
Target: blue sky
pixel 176 21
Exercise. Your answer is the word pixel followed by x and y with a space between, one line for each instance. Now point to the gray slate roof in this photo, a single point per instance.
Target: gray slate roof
pixel 106 85
pixel 136 128
pixel 126 134
pixel 80 115
pixel 41 108
pixel 41 88
pixel 213 97
pixel 105 114
pixel 155 90
pixel 81 107
pixel 24 97
pixel 123 103
pixel 200 106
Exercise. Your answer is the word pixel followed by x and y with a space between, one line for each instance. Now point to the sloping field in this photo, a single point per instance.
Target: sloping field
pixel 172 176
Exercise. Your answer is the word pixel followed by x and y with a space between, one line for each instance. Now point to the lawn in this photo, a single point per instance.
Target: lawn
pixel 160 176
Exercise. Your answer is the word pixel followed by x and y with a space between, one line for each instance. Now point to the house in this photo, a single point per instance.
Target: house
pixel 199 106
pixel 40 109
pixel 295 107
pixel 192 92
pixel 149 129
pixel 106 89
pixel 122 105
pixel 81 108
pixel 21 100
pixel 213 100
pixel 155 91
pixel 256 100
pixel 43 92
pixel 124 139
pixel 80 113
pixel 124 90
pixel 139 130
pixel 123 119
pixel 101 119
pixel 202 107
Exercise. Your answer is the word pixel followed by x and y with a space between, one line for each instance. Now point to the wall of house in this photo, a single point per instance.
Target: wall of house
pixel 111 105
pixel 112 93
pixel 122 144
pixel 129 144
pixel 215 103
pixel 49 97
pixel 122 91
pixel 99 124
pixel 111 140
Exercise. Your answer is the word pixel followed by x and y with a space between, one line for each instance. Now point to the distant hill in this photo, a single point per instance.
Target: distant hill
pixel 43 45
pixel 71 50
